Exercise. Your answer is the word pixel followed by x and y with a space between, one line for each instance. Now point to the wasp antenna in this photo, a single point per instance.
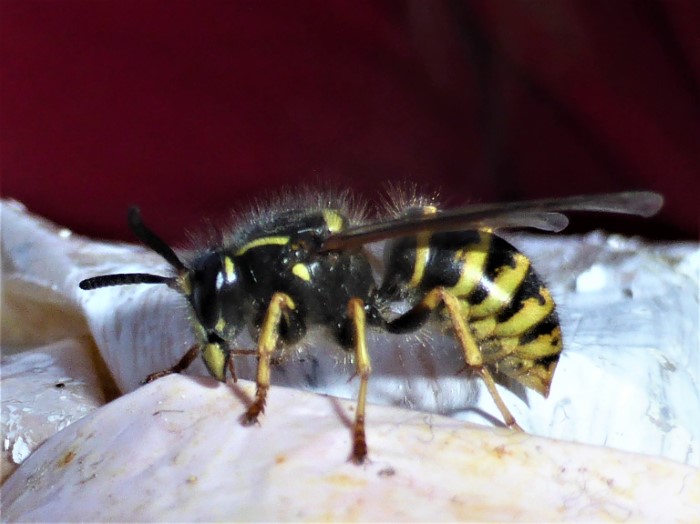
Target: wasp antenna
pixel 150 239
pixel 123 279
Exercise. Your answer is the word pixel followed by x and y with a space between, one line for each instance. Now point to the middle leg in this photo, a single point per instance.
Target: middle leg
pixel 356 316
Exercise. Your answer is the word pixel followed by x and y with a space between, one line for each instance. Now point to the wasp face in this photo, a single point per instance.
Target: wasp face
pixel 216 295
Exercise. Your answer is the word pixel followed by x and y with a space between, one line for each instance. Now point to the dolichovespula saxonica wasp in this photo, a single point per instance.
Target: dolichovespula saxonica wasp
pixel 304 264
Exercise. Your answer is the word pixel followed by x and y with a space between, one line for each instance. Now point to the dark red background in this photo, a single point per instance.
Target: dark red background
pixel 192 108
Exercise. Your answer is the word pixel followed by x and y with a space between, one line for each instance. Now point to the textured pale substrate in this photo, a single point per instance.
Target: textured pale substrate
pixel 174 451
pixel 44 391
pixel 628 379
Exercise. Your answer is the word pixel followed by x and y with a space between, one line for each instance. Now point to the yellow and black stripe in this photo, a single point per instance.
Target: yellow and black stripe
pixel 508 308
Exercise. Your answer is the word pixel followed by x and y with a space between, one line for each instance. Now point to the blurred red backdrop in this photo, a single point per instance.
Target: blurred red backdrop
pixel 192 108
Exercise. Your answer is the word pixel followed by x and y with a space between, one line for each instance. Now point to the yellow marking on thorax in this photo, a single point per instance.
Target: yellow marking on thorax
pixel 229 269
pixel 302 271
pixel 334 220
pixel 220 325
pixel 422 251
pixel 264 241
pixel 502 288
pixel 473 261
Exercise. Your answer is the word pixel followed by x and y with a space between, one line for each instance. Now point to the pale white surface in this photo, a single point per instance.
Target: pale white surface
pixel 174 451
pixel 628 377
pixel 43 391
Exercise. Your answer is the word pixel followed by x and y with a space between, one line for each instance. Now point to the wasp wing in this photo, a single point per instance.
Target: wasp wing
pixel 543 214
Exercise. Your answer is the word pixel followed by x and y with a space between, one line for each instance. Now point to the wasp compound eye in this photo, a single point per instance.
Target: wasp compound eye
pixel 204 297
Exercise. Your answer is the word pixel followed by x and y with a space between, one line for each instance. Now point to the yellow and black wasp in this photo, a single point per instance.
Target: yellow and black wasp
pixel 304 264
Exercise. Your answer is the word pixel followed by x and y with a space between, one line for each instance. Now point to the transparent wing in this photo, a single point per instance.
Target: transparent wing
pixel 543 214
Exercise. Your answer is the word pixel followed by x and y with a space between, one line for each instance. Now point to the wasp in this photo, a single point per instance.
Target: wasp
pixel 304 264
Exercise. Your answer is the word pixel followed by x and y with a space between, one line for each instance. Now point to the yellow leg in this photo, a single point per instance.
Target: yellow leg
pixel 356 313
pixel 267 342
pixel 472 353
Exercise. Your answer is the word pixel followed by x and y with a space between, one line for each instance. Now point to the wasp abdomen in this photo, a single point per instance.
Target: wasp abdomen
pixel 506 305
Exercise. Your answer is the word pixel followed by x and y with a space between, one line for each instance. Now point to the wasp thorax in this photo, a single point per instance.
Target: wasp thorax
pixel 217 296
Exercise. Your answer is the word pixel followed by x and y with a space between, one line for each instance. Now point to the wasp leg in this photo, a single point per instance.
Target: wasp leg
pixel 232 368
pixel 356 315
pixel 234 353
pixel 181 366
pixel 472 354
pixel 280 305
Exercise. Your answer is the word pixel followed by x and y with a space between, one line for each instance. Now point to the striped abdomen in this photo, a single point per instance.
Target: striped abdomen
pixel 507 306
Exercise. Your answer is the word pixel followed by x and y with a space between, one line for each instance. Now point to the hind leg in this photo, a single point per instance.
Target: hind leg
pixel 473 357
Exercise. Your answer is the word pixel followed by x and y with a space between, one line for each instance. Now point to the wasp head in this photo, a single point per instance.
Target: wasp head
pixel 211 285
pixel 215 293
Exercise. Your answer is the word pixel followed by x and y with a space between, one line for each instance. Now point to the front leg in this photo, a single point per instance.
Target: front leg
pixel 280 306
pixel 181 366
